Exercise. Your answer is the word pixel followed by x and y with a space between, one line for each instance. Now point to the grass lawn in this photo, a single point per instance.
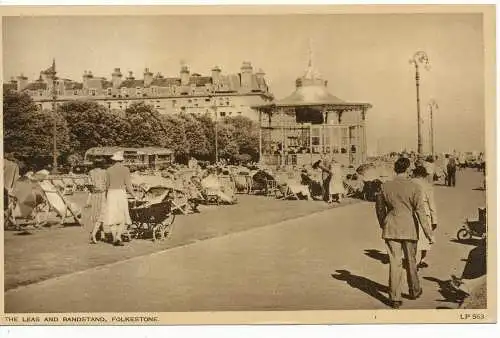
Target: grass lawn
pixel 42 254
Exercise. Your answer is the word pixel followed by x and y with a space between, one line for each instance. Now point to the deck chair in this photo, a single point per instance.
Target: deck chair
pixel 272 188
pixel 60 204
pixel 287 193
pixel 82 183
pixel 69 185
pixel 180 202
pixel 211 197
pixel 249 184
pixel 62 186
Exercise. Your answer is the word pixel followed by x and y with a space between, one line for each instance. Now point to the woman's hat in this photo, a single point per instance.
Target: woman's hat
pixel 118 156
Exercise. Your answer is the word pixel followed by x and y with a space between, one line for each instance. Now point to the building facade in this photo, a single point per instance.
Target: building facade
pixel 216 94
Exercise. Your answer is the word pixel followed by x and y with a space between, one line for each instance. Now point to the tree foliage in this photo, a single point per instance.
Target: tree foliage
pixel 86 124
pixel 92 125
pixel 28 132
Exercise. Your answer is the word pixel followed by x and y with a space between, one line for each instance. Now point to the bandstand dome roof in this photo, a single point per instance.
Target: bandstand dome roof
pixel 311 90
pixel 310 95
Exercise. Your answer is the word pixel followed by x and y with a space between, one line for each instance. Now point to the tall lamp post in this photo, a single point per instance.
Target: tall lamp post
pixel 420 58
pixel 432 105
pixel 214 107
pixel 52 71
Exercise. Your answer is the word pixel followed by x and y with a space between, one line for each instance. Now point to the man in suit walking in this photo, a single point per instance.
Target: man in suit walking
pixel 397 205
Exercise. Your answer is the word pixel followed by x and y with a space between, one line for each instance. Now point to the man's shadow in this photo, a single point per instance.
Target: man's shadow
pixel 366 285
pixel 378 255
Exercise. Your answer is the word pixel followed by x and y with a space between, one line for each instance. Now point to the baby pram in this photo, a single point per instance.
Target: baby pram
pixel 152 217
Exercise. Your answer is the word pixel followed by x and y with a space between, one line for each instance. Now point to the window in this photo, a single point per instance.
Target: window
pixel 189 101
pixel 222 113
pixel 109 91
pixel 207 99
pixel 92 92
pixel 138 91
pixel 109 105
pixel 40 92
pixel 75 92
pixel 239 113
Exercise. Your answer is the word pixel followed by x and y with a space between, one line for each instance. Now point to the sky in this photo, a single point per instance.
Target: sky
pixel 364 57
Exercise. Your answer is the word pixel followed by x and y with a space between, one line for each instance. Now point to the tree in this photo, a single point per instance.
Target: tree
pixel 208 128
pixel 175 137
pixel 198 143
pixel 92 125
pixel 246 135
pixel 146 126
pixel 228 147
pixel 28 132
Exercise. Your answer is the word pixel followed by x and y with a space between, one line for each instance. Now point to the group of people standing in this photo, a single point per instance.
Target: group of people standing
pixel 110 183
pixel 332 179
pixel 406 213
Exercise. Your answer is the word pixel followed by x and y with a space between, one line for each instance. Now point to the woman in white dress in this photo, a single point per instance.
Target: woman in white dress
pixel 337 189
pixel 420 175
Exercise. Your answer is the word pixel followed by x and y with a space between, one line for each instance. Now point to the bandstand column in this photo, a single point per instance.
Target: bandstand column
pixel 260 136
pixel 311 141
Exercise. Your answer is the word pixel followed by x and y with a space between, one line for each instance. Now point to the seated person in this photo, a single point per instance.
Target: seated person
pixel 474 272
pixel 212 184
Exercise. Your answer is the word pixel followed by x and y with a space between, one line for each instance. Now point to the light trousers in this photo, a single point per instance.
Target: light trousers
pixel 397 249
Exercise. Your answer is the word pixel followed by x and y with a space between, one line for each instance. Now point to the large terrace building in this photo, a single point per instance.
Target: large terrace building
pixel 217 93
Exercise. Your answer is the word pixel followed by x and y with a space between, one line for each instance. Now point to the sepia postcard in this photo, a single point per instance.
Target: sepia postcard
pixel 248 165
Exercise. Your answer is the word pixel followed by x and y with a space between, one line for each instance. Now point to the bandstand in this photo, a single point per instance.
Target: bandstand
pixel 311 123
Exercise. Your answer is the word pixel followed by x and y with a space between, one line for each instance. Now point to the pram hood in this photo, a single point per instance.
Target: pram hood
pixel 148 182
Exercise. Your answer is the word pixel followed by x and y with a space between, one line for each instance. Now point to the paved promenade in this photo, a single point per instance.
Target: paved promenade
pixel 329 259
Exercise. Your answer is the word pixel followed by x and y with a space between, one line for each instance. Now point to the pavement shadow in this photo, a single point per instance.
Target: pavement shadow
pixel 378 255
pixel 449 294
pixel 364 284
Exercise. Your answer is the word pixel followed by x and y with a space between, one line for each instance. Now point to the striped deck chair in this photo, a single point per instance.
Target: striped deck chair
pixel 180 202
pixel 69 186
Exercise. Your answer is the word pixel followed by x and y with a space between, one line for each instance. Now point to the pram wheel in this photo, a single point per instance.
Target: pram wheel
pixel 463 234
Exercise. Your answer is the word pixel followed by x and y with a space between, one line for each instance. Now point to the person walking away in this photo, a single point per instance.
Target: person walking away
pixel 451 171
pixel 420 176
pixel 118 183
pixel 397 203
pixel 98 184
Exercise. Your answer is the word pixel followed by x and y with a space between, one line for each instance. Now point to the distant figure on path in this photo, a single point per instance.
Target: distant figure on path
pixel 398 203
pixel 451 171
pixel 326 175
